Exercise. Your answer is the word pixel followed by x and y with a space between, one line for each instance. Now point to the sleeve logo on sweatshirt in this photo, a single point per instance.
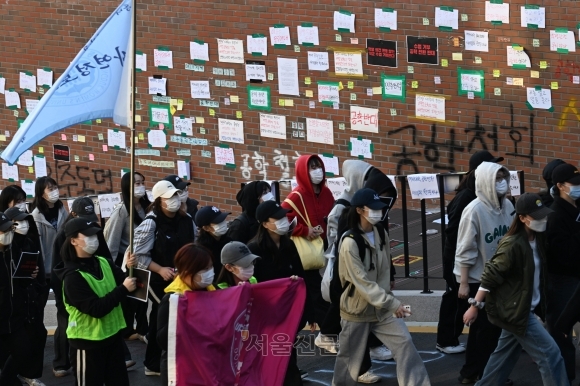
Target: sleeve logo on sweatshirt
pixel 498 232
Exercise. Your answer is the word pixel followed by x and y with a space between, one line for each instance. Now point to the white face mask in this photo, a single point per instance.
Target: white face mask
pixel 220 229
pixel 183 196
pixel 267 197
pixel 6 238
pixel 244 274
pixel 316 176
pixel 501 187
pixel 22 227
pixel 374 216
pixel 206 278
pixel 139 191
pixel 21 206
pixel 173 204
pixel 538 225
pixel 91 244
pixel 52 197
pixel 282 226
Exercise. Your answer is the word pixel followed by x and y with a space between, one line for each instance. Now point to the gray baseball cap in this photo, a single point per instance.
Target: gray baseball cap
pixel 237 253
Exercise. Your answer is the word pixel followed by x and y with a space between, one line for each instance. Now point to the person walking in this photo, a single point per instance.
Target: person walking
pixel 213 226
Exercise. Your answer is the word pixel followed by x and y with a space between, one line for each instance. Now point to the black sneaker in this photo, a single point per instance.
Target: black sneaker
pixel 467 380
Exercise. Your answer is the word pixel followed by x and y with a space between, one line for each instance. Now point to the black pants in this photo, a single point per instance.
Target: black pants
pixel 316 306
pixel 37 334
pixel 135 310
pixel 22 351
pixel 103 365
pixel 450 326
pixel 481 342
pixel 153 353
pixel 61 359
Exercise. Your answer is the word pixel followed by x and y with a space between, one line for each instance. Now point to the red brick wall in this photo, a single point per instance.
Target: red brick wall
pixel 37 34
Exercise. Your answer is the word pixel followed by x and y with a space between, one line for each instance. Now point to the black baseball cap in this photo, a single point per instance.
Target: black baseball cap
pixel 81 225
pixel 531 204
pixel 5 222
pixel 177 181
pixel 85 208
pixel 482 156
pixel 15 214
pixel 549 169
pixel 270 209
pixel 566 173
pixel 369 198
pixel 210 215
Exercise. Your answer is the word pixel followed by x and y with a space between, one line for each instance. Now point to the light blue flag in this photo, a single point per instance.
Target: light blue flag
pixel 97 84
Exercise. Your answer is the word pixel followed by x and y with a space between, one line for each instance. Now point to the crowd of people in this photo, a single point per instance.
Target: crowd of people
pixel 511 269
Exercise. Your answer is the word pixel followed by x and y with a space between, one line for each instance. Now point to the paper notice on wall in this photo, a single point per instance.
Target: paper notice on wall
pixel 40 166
pixel 516 55
pixel 25 158
pixel 2 85
pixel 12 99
pixel 199 51
pixel 182 125
pixel 258 45
pixel 200 89
pixel 288 76
pixel 28 186
pixel 328 92
pixel 330 163
pixel 393 88
pixel 477 41
pixel 160 115
pixel 364 119
pixel 423 186
pixel 157 86
pixel 255 72
pixel 430 107
pixel 31 104
pixel 336 186
pixel 280 36
pixel 308 35
pixel 157 138
pixel 107 203
pixel 162 58
pixel 319 131
pixel 183 170
pixel 230 51
pixel 318 61
pixel 361 148
pixel 44 77
pixel 348 63
pixel 343 21
pixel 116 138
pixel 10 172
pixel 535 17
pixel 540 98
pixel 231 130
pixel 224 156
pixel 515 189
pixel 446 18
pixel 272 126
pixel 141 62
pixel 386 19
pixel 471 82
pixel 562 40
pixel 497 12
pixel 27 81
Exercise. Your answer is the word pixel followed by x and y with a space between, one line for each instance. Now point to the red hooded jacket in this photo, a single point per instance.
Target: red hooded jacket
pixel 318 206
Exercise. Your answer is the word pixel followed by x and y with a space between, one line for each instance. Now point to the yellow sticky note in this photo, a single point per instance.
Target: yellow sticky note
pixel 172 109
pixel 289 102
pixel 350 85
pixel 81 138
pixel 340 86
pixel 41 149
pixel 457 56
pixel 377 90
pixel 234 99
pixel 518 48
pixel 415 84
pixel 141 136
pixel 543 64
pixel 99 121
pixel 535 74
pixel 307 80
pixel 137 118
pixel 180 104
pixel 444 63
pixel 30 169
pixel 199 120
pixel 136 139
pixel 518 81
pixel 496 73
pixel 309 94
pixel 173 102
pixel 282 102
pixel 239 114
pixel 212 112
pixel 554 85
pixel 2 138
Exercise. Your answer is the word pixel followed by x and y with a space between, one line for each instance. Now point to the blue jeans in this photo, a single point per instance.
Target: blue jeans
pixel 538 344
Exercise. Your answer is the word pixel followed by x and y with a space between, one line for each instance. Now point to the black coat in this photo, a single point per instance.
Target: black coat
pixel 563 233
pixel 215 247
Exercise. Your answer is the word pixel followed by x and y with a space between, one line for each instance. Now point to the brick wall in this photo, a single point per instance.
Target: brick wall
pixel 37 34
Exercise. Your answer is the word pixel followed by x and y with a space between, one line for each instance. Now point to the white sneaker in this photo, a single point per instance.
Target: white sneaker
pixel 451 349
pixel 30 381
pixel 325 342
pixel 381 353
pixel 151 372
pixel 369 377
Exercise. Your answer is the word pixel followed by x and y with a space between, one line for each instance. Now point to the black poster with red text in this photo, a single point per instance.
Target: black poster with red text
pixel 382 53
pixel 422 50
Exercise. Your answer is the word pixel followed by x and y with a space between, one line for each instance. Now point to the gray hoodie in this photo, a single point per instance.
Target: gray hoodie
pixel 47 235
pixel 483 223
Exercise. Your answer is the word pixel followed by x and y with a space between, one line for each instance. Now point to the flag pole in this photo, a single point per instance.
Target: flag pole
pixel 133 103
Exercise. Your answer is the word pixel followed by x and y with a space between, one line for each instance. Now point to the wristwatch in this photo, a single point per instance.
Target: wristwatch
pixel 475 303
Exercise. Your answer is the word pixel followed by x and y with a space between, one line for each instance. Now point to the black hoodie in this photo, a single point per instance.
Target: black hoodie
pixel 245 226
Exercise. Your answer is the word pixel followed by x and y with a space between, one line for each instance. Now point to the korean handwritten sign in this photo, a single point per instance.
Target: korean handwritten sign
pixel 230 50
pixel 348 63
pixel 539 98
pixel 423 186
pixel 272 126
pixel 319 131
pixel 318 61
pixel 364 119
pixel 430 107
pixel 224 156
pixel 231 130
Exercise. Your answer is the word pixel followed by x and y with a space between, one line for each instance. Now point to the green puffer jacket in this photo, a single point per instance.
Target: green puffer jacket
pixel 509 277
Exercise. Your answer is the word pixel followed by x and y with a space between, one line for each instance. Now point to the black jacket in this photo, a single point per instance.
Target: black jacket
pixel 276 263
pixel 563 233
pixel 206 240
pixel 243 228
pixel 191 206
pixel 13 307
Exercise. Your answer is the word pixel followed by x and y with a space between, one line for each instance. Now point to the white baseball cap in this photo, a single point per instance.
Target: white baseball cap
pixel 164 189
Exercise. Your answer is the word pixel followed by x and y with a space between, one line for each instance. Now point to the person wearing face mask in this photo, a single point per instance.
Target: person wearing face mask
pixel 189 205
pixel 563 235
pixel 546 193
pixel 157 239
pixel 244 227
pixel 484 222
pixel 13 195
pixel 212 235
pixel 513 286
pixel 238 265
pixel 93 289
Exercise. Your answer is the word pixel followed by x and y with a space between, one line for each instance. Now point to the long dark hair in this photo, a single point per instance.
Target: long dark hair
pixel 68 252
pixel 39 201
pixel 353 218
pixel 227 277
pixel 11 193
pixel 126 193
pixel 516 227
pixel 204 237
pixel 265 242
pixel 467 182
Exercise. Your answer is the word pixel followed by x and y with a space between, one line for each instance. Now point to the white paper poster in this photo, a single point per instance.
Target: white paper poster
pixel 515 189
pixel 230 51
pixel 163 58
pixel 364 119
pixel 348 63
pixel 2 85
pixel 27 81
pixel 393 87
pixel 361 147
pixel 43 77
pixel 157 138
pixel 343 21
pixel 40 166
pixel 231 130
pixel 200 89
pixel 255 72
pixel 471 82
pixel 423 186
pixel 183 170
pixel 141 62
pixel 116 138
pixel 280 36
pixel 445 18
pixel 182 125
pixel 224 155
pixel 318 61
pixel 336 186
pixel 477 41
pixel 517 56
pixel 199 51
pixel 257 45
pixel 562 40
pixel 160 115
pixel 540 99
pixel 330 164
pixel 272 126
pixel 534 16
pixel 430 107
pixel 28 186
pixel 385 19
pixel 107 203
pixel 319 131
pixel 25 158
pixel 308 35
pixel 328 92
pixel 288 76
pixel 31 104
pixel 497 12
pixel 10 172
pixel 157 86
pixel 12 99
